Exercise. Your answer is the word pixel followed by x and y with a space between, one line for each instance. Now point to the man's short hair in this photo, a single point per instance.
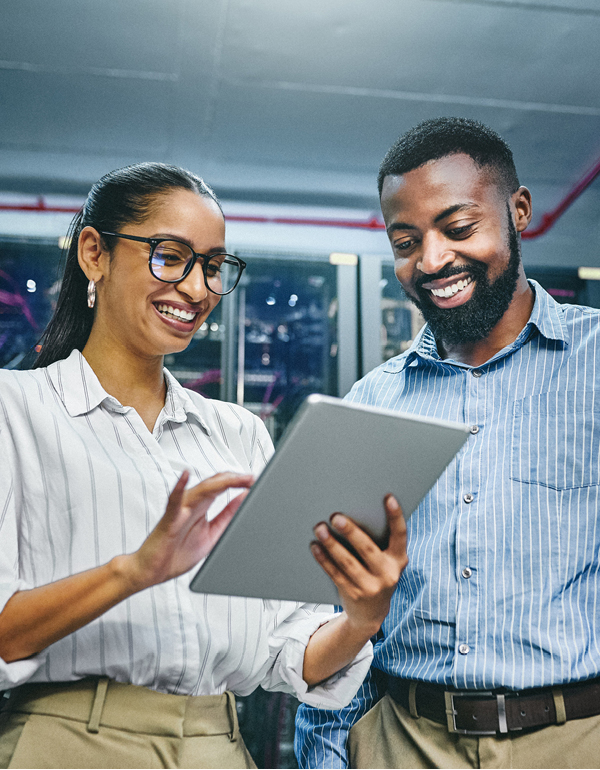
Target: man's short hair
pixel 439 137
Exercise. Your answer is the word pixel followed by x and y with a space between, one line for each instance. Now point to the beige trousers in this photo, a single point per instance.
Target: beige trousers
pixel 388 737
pixel 105 724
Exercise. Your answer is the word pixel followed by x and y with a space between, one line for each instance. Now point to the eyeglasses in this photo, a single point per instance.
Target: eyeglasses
pixel 171 261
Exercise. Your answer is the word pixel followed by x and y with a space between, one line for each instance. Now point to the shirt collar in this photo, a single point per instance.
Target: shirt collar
pixel 80 390
pixel 546 317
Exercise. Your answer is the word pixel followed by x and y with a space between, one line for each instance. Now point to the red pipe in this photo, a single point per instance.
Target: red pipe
pixel 550 218
pixel 374 223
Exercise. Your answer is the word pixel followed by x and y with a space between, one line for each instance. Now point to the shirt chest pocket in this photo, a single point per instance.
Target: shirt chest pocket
pixel 556 440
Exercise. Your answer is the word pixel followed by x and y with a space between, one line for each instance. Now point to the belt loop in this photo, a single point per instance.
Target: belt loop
pixel 559 705
pixel 232 715
pixel 97 706
pixel 412 700
pixel 501 706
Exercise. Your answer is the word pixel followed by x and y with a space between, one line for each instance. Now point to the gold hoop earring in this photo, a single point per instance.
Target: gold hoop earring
pixel 91 294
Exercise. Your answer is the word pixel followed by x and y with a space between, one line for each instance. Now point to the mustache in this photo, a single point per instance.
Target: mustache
pixel 475 270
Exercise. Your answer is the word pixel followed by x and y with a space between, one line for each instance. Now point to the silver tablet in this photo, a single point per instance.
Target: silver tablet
pixel 334 456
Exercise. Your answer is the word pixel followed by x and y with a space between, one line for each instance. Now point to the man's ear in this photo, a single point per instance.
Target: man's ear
pixel 521 202
pixel 92 254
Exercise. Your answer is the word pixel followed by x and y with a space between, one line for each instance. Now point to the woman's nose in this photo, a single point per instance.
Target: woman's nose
pixel 194 285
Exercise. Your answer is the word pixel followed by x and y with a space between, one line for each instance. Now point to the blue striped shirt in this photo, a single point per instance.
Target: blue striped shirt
pixel 503 584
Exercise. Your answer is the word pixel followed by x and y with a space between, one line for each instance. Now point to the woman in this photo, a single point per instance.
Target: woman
pixel 108 494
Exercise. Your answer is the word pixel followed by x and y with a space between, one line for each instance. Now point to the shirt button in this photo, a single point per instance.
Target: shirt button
pixel 463 649
pixel 476 372
pixel 474 429
pixel 467 572
pixel 468 498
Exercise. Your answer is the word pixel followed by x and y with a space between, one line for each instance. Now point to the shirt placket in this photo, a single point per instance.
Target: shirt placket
pixel 467 537
pixel 160 478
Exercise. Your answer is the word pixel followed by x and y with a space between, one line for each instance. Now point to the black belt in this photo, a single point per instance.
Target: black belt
pixel 489 712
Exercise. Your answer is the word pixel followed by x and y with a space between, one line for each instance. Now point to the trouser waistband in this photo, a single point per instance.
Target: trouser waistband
pixel 103 702
pixel 477 712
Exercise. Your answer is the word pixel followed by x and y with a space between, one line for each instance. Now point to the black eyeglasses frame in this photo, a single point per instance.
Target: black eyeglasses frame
pixel 204 259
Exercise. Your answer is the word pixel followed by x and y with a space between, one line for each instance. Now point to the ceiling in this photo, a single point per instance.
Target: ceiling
pixel 297 102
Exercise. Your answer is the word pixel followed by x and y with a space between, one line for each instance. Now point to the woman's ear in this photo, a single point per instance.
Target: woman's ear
pixel 92 254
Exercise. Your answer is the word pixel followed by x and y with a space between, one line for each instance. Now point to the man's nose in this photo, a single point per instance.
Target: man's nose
pixel 194 285
pixel 435 254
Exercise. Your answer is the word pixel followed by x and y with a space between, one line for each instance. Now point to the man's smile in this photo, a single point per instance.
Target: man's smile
pixel 449 292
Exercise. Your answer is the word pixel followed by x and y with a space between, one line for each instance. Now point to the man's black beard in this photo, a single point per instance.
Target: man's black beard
pixel 474 320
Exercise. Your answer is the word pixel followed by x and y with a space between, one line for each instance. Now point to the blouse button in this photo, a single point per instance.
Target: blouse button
pixel 467 572
pixel 474 429
pixel 468 498
pixel 476 372
pixel 463 649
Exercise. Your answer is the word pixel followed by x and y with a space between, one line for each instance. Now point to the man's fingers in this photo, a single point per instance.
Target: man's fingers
pixel 337 553
pixel 397 527
pixel 341 581
pixel 364 546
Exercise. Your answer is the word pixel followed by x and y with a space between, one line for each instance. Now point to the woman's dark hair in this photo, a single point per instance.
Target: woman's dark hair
pixel 121 197
pixel 436 138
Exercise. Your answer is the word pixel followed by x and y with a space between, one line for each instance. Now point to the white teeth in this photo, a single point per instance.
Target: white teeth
pixel 175 312
pixel 450 291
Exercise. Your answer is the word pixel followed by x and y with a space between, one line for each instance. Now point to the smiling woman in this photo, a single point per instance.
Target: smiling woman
pixel 101 642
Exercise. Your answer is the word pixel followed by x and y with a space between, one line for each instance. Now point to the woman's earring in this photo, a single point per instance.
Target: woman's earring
pixel 91 294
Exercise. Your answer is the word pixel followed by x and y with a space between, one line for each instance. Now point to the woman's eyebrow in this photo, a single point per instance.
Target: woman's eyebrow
pixel 170 236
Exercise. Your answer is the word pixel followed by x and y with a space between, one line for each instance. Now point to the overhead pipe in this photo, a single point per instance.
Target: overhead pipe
pixel 373 223
pixel 550 218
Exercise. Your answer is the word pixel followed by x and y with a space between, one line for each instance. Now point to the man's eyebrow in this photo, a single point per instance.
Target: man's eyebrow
pixel 399 226
pixel 442 215
pixel 453 209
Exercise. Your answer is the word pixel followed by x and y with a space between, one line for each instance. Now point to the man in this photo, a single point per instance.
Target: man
pixel 490 654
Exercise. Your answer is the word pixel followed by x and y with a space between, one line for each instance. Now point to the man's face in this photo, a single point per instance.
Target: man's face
pixel 455 246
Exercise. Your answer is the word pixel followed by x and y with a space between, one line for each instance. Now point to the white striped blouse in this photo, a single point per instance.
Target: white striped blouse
pixel 503 584
pixel 83 480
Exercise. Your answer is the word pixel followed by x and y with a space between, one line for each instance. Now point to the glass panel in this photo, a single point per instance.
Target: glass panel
pixel 400 319
pixel 28 293
pixel 290 335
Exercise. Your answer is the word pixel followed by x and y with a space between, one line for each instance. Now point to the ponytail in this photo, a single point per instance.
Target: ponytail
pixel 71 324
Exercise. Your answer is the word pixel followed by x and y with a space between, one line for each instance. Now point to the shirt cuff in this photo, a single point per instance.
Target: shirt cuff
pixel 335 692
pixel 19 671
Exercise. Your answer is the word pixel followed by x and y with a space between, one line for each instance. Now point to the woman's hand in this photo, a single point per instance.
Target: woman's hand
pixel 35 618
pixel 365 589
pixel 184 536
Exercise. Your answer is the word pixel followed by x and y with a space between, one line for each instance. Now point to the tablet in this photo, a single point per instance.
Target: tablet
pixel 334 456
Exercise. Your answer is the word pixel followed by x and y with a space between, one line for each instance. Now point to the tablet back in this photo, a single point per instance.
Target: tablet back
pixel 335 456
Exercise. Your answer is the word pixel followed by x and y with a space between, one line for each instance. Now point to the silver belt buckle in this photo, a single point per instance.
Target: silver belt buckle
pixel 451 711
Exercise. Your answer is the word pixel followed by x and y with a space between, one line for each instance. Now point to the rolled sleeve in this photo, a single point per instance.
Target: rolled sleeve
pixel 11 674
pixel 287 646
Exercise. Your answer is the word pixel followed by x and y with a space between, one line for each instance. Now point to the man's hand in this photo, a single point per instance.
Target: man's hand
pixel 365 588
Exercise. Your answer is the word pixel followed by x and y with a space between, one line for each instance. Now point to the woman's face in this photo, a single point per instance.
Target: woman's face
pixel 129 296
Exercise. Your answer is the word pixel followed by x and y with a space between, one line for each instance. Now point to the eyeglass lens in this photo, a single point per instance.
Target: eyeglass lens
pixel 170 259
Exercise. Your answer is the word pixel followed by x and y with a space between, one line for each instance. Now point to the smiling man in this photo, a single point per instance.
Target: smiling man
pixel 490 655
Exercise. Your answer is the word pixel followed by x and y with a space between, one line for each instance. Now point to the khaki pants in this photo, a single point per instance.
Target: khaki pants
pixel 389 737
pixel 105 724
